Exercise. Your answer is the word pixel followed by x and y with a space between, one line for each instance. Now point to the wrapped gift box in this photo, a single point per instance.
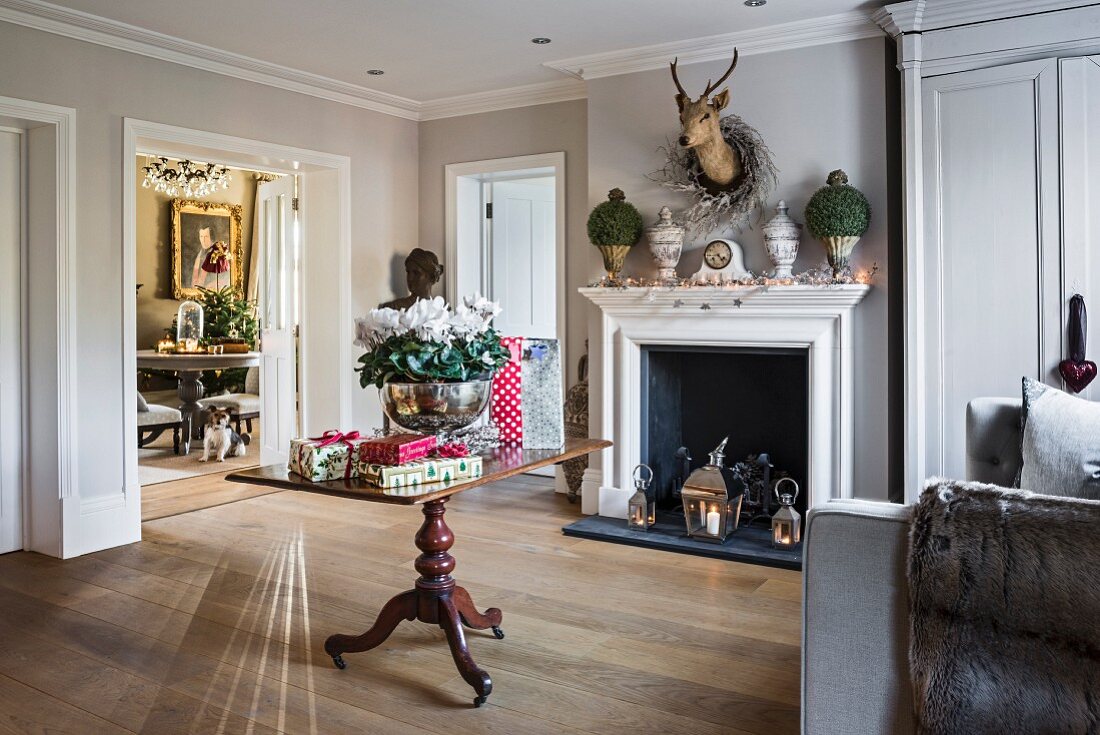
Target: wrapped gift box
pixel 396 449
pixel 324 459
pixel 419 473
pixel 527 396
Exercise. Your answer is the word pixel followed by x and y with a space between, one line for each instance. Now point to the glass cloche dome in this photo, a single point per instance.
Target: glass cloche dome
pixel 189 325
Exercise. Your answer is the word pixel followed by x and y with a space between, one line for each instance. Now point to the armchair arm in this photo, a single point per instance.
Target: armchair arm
pixel 855 639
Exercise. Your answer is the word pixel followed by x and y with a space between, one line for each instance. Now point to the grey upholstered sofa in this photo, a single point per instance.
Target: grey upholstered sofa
pixel 855 644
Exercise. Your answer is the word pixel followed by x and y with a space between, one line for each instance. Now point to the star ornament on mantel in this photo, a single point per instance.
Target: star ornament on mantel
pixel 677 303
pixel 705 306
pixel 737 303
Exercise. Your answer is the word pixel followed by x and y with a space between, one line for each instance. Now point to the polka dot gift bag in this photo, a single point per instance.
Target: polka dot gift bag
pixel 527 395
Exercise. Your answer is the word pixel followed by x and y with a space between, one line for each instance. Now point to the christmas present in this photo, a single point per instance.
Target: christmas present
pixel 396 449
pixel 527 395
pixel 422 472
pixel 331 456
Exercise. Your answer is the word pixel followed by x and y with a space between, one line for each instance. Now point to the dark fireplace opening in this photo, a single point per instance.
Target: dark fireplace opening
pixel 693 397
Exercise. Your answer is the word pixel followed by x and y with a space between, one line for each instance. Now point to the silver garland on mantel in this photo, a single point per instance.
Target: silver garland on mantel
pixel 822 277
pixel 726 208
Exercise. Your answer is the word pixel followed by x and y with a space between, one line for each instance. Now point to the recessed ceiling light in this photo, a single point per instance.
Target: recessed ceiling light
pixel 755 3
pixel 375 72
pixel 540 40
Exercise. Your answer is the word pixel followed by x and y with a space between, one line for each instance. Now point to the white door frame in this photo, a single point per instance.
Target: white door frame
pixel 244 153
pixel 50 493
pixel 452 172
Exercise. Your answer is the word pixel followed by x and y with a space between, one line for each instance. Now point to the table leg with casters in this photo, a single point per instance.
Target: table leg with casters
pixel 436 599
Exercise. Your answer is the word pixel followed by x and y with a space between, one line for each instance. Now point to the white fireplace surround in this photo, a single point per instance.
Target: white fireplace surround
pixel 815 318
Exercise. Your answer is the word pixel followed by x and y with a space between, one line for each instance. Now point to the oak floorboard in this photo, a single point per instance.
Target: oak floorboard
pixel 215 621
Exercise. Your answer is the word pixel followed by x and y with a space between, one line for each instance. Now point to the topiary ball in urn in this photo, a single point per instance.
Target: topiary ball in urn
pixel 613 227
pixel 838 215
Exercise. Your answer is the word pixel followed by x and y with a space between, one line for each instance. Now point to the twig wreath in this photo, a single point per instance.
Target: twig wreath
pixel 712 206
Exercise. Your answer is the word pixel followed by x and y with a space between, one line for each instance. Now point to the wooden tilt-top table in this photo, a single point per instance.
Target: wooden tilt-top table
pixel 436 598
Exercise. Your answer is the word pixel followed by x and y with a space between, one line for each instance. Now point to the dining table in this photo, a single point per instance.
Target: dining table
pixel 435 598
pixel 188 367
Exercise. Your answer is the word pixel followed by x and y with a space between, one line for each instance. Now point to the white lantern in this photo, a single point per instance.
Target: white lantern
pixel 786 523
pixel 641 511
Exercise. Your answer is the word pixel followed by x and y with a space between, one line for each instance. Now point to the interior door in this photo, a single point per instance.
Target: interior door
pixel 1080 129
pixel 523 253
pixel 992 245
pixel 278 311
pixel 11 395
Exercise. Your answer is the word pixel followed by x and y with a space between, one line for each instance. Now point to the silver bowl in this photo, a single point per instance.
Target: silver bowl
pixel 435 408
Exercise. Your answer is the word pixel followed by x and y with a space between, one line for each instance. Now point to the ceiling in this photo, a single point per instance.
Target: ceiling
pixel 444 48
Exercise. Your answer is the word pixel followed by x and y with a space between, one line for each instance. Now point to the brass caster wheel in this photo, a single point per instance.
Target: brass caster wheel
pixel 498 632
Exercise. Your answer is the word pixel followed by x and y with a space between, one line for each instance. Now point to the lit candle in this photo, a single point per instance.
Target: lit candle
pixel 713 519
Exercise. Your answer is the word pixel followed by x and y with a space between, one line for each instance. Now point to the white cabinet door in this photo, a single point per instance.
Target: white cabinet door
pixel 523 257
pixel 992 296
pixel 278 309
pixel 11 395
pixel 1080 129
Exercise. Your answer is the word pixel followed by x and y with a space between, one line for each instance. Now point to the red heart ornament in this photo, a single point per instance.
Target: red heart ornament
pixel 1077 374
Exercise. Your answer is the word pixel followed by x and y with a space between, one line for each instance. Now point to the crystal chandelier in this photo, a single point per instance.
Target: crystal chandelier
pixel 191 179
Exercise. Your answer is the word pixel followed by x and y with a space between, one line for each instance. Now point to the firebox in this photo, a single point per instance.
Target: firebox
pixel 693 397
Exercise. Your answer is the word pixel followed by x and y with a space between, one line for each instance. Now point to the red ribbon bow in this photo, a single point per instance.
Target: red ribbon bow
pixel 332 436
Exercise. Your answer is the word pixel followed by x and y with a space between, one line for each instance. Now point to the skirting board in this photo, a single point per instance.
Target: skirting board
pixel 751 545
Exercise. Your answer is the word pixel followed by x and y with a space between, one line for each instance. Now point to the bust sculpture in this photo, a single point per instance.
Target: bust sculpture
pixel 422 271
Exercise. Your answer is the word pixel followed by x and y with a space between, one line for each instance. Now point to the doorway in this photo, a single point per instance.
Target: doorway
pixel 299 240
pixel 234 252
pixel 505 229
pixel 505 222
pixel 12 155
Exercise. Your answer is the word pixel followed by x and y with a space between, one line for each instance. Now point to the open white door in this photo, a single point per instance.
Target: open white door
pixel 11 394
pixel 278 319
pixel 523 257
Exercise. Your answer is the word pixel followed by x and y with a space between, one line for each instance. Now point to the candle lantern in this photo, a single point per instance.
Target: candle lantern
pixel 641 511
pixel 712 499
pixel 786 523
pixel 189 326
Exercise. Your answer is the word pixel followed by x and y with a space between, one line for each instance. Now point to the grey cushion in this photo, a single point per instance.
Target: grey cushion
pixel 142 405
pixel 993 440
pixel 855 639
pixel 159 415
pixel 236 402
pixel 252 381
pixel 1060 443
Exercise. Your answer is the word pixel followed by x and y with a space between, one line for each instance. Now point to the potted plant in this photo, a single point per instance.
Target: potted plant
pixel 613 227
pixel 838 215
pixel 433 366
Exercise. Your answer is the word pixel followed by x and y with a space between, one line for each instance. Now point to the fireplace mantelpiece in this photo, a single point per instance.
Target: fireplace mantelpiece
pixel 815 318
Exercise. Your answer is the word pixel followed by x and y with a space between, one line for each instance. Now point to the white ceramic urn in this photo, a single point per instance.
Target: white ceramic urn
pixel 666 244
pixel 781 238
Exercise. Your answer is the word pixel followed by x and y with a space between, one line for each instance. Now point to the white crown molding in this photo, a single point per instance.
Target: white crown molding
pixel 780 37
pixel 559 90
pixel 82 26
pixel 916 16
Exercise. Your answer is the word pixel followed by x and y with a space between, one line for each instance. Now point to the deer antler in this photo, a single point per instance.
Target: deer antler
pixel 676 79
pixel 712 87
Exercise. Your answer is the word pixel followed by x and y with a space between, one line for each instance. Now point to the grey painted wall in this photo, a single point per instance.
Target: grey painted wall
pixel 105 85
pixel 819 109
pixel 524 131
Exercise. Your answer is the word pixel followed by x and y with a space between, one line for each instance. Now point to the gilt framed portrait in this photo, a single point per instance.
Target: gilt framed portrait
pixel 197 228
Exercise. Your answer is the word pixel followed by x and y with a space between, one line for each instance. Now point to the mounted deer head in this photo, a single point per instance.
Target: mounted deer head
pixel 699 129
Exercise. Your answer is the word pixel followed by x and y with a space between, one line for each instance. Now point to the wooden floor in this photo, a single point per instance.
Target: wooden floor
pixel 214 624
pixel 195 493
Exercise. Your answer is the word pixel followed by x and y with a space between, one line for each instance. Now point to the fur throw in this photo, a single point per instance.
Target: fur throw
pixel 1004 611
